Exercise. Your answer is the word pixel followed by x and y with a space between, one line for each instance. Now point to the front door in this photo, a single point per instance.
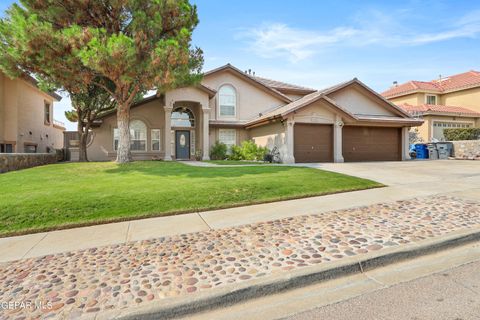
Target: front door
pixel 182 144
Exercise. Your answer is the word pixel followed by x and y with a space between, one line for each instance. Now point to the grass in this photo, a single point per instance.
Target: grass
pixel 236 162
pixel 72 194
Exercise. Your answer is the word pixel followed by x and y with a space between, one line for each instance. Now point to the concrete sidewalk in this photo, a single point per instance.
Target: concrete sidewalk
pixel 405 180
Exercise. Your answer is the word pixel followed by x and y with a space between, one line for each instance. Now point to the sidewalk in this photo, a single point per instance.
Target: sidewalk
pixel 116 280
pixel 403 184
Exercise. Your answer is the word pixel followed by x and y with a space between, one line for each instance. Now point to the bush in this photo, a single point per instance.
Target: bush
pixel 218 151
pixel 247 151
pixel 461 134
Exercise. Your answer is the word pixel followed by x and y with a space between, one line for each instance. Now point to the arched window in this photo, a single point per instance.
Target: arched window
pixel 227 101
pixel 183 117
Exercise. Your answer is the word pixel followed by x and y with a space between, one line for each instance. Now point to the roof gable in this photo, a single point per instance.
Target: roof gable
pixel 250 79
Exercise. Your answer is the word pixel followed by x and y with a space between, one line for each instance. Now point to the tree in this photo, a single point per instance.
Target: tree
pixel 137 45
pixel 88 106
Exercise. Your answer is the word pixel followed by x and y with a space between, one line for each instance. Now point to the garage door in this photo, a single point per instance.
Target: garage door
pixel 371 144
pixel 313 143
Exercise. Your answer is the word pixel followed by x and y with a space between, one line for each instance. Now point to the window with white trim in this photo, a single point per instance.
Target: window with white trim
pixel 227 101
pixel 138 136
pixel 155 139
pixel 430 99
pixel 227 136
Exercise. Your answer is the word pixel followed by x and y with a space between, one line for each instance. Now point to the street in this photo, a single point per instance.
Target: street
pixel 452 294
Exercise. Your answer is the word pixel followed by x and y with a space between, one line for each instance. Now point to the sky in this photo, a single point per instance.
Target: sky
pixel 320 43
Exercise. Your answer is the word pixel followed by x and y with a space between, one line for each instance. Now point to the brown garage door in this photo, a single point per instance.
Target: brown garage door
pixel 371 144
pixel 313 143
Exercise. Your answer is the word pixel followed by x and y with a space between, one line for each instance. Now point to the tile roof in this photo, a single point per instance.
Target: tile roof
pixel 436 108
pixel 279 85
pixel 452 83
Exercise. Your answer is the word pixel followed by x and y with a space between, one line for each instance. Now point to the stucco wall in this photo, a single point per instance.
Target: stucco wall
pixel 151 113
pixel 22 116
pixel 269 136
pixel 241 135
pixel 250 100
pixel 357 101
pixel 414 99
pixel 17 161
pixel 466 98
pixel 317 112
pixel 468 149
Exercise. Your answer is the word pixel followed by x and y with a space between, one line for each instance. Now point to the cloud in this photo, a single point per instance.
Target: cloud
pixel 273 40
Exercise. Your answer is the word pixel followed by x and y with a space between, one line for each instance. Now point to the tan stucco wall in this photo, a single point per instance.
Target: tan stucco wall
pixel 317 112
pixel 358 101
pixel 466 98
pixel 22 112
pixel 269 136
pixel 151 113
pixel 250 99
pixel 413 99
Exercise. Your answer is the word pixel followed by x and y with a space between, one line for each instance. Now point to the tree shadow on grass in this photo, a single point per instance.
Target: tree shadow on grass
pixel 177 169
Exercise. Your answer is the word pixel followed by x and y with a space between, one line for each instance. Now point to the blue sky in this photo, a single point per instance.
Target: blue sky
pixel 320 43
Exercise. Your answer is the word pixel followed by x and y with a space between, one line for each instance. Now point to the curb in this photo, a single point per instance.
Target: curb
pixel 282 281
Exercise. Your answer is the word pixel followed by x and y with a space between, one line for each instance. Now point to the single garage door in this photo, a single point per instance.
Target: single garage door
pixel 313 142
pixel 371 144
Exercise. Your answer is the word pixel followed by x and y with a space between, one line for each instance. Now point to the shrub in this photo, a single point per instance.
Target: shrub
pixel 247 151
pixel 461 134
pixel 218 151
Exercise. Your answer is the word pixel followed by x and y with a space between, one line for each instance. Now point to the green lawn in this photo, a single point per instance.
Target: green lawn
pixel 236 162
pixel 69 194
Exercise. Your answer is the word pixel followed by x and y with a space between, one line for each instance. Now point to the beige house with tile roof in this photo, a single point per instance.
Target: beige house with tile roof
pixel 26 117
pixel 448 102
pixel 347 122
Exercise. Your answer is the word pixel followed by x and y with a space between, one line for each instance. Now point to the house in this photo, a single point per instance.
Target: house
pixel 448 102
pixel 347 122
pixel 26 117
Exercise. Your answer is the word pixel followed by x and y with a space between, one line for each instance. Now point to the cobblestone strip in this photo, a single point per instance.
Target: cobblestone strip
pixel 119 276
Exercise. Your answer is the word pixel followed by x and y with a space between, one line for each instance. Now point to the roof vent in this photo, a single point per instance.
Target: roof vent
pixel 395 83
pixel 260 114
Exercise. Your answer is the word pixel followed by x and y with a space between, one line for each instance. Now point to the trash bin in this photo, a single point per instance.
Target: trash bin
pixel 444 150
pixel 432 151
pixel 421 151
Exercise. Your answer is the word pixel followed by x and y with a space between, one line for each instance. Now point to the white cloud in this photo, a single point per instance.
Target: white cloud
pixel 275 40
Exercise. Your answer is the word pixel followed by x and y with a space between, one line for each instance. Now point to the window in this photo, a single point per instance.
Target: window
pixel 30 148
pixel 430 99
pixel 138 136
pixel 6 148
pixel 228 136
pixel 183 117
pixel 46 112
pixel 227 101
pixel 155 139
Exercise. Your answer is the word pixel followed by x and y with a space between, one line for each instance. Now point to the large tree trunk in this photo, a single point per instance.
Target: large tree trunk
pixel 123 122
pixel 82 145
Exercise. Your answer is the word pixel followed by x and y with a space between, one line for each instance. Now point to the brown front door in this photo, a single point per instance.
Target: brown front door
pixel 371 144
pixel 313 142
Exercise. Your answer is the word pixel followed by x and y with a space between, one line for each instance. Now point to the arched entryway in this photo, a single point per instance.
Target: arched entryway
pixel 183 126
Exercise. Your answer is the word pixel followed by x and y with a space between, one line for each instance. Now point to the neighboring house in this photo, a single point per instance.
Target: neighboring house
pixel 26 117
pixel 450 102
pixel 347 122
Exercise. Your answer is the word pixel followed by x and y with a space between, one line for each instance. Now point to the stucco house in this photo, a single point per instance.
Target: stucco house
pixel 448 102
pixel 26 117
pixel 346 122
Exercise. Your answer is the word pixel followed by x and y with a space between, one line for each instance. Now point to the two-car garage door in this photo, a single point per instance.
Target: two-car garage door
pixel 314 143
